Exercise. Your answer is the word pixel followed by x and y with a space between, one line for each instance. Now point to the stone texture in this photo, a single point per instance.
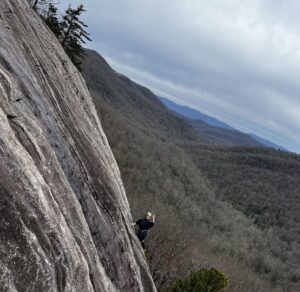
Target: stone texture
pixel 65 219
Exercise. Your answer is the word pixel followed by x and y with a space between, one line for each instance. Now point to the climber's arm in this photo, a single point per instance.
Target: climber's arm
pixel 153 218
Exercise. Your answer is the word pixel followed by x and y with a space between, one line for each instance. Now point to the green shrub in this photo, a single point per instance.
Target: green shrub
pixel 204 280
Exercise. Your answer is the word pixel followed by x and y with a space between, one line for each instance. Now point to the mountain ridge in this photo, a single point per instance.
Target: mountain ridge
pixel 196 115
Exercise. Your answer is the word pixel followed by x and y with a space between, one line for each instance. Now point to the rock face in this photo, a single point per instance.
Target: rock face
pixel 65 219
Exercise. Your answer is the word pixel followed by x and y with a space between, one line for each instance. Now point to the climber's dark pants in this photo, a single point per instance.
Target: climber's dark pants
pixel 142 235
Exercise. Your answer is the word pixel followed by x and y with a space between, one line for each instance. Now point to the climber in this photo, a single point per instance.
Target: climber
pixel 144 225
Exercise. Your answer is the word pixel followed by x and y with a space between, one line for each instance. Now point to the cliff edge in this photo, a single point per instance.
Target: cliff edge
pixel 65 219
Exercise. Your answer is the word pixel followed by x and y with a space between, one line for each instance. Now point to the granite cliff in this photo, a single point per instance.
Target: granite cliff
pixel 65 219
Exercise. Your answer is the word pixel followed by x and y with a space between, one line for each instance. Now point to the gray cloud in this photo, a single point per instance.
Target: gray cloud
pixel 238 61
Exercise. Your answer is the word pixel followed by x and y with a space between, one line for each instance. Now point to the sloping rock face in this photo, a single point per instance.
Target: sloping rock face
pixel 65 219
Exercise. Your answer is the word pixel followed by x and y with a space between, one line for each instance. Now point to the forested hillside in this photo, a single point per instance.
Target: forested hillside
pixel 232 208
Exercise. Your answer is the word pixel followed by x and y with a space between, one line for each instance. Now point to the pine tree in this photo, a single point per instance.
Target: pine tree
pixel 69 30
pixel 74 35
pixel 52 20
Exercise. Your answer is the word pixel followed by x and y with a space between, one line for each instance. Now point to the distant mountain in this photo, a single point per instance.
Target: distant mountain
pixel 221 136
pixel 231 136
pixel 268 143
pixel 211 130
pixel 193 114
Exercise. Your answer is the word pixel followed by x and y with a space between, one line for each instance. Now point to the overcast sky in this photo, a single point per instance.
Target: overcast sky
pixel 238 61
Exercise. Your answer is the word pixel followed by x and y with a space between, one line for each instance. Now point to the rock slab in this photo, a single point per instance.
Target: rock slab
pixel 64 215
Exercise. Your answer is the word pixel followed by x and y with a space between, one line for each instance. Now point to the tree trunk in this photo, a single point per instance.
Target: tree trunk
pixel 68 32
pixel 34 6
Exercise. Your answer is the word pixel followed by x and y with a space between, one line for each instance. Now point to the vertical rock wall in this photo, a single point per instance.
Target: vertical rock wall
pixel 64 216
